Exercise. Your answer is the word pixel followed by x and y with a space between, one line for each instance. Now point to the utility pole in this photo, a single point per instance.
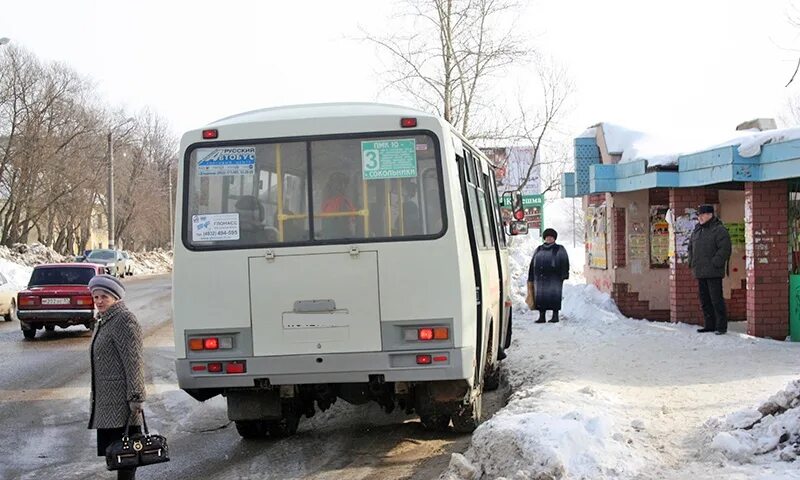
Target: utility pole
pixel 110 200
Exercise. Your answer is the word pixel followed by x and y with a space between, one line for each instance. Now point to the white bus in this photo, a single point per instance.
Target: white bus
pixel 328 251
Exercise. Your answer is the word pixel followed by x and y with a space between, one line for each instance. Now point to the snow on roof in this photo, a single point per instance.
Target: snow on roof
pixel 660 150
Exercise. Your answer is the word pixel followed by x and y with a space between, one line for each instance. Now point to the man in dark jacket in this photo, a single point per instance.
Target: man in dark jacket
pixel 709 253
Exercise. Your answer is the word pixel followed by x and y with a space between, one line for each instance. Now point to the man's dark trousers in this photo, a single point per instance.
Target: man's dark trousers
pixel 713 304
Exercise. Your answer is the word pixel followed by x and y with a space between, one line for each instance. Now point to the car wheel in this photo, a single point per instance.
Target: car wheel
pixel 12 312
pixel 49 328
pixel 29 334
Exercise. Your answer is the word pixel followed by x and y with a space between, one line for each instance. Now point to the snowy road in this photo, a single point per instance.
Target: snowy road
pixel 44 412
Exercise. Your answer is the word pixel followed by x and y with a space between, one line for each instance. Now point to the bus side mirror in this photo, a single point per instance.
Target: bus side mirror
pixel 519 228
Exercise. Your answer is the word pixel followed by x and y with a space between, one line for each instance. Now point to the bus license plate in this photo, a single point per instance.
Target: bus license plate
pixel 55 301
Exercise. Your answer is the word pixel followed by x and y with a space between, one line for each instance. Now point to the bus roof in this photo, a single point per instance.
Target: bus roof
pixel 319 110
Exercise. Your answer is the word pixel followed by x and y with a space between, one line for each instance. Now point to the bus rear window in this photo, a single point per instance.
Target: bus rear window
pixel 361 189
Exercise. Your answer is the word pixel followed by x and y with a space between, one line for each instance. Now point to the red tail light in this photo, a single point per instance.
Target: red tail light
pixel 235 367
pixel 215 367
pixel 408 122
pixel 211 343
pixel 28 300
pixel 425 334
pixel 424 359
pixel 83 300
pixel 210 134
pixel 199 368
pixel 440 358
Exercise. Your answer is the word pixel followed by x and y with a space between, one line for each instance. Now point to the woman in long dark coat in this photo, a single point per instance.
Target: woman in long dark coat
pixel 548 270
pixel 117 367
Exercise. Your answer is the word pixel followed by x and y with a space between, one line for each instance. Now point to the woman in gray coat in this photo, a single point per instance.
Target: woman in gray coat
pixel 117 367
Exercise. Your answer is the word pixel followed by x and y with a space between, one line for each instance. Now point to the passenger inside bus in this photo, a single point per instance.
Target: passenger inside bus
pixel 336 200
pixel 411 220
pixel 251 218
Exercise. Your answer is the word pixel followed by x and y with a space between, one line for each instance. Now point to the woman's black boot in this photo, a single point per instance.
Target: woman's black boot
pixel 554 318
pixel 541 317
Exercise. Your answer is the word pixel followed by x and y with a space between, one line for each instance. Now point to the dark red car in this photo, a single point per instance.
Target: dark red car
pixel 57 296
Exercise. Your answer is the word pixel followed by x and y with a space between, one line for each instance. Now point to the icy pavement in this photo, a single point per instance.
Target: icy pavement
pixel 600 396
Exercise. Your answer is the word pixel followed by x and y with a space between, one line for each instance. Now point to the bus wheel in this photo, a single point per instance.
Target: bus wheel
pixel 251 428
pixel 287 425
pixel 467 417
pixel 284 427
pixel 491 371
pixel 435 422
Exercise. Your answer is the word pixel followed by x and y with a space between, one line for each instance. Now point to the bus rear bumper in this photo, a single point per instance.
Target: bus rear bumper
pixel 445 364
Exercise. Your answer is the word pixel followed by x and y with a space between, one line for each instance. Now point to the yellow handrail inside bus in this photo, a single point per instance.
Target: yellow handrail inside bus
pixel 280 190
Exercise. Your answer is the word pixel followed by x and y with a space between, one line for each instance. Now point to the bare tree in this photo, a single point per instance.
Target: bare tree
pixel 457 47
pixel 448 65
pixel 53 156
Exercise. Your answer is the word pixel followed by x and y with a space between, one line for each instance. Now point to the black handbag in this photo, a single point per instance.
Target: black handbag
pixel 137 450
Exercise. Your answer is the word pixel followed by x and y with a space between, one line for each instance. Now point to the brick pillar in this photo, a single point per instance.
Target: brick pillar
pixel 767 247
pixel 684 304
pixel 619 238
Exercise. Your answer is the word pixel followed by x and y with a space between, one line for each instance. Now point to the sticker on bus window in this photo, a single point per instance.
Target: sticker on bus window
pixel 226 161
pixel 382 159
pixel 215 227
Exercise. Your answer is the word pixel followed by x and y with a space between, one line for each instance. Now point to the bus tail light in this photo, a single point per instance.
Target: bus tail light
pixel 28 300
pixel 425 334
pixel 215 367
pixel 408 122
pixel 440 358
pixel 210 343
pixel 424 359
pixel 210 134
pixel 199 368
pixel 235 367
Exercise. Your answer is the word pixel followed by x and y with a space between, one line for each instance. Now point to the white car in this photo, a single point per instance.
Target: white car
pixel 8 298
pixel 111 259
pixel 128 263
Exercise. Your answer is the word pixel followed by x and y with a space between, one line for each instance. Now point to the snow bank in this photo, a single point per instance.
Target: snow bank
pixel 602 396
pixel 153 262
pixel 769 433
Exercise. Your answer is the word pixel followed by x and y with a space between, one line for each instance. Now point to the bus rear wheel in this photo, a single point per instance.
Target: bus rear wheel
pixel 435 422
pixel 467 417
pixel 250 429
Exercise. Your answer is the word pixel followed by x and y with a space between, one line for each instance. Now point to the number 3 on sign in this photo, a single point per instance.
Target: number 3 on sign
pixel 370 159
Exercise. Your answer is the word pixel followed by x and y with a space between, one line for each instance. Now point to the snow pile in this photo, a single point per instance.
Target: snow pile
pixel 750 142
pixel 602 396
pixel 772 430
pixel 152 262
pixel 31 255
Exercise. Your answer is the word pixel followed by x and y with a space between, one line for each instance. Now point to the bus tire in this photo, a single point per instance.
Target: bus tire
pixel 491 371
pixel 507 333
pixel 250 429
pixel 435 422
pixel 284 427
pixel 467 417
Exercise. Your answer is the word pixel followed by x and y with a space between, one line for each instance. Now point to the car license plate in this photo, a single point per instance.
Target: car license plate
pixel 55 301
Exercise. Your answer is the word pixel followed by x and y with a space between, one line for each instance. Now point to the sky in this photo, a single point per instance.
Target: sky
pixel 695 67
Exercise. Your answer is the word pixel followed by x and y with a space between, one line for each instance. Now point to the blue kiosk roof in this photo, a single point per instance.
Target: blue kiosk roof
pixel 776 161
